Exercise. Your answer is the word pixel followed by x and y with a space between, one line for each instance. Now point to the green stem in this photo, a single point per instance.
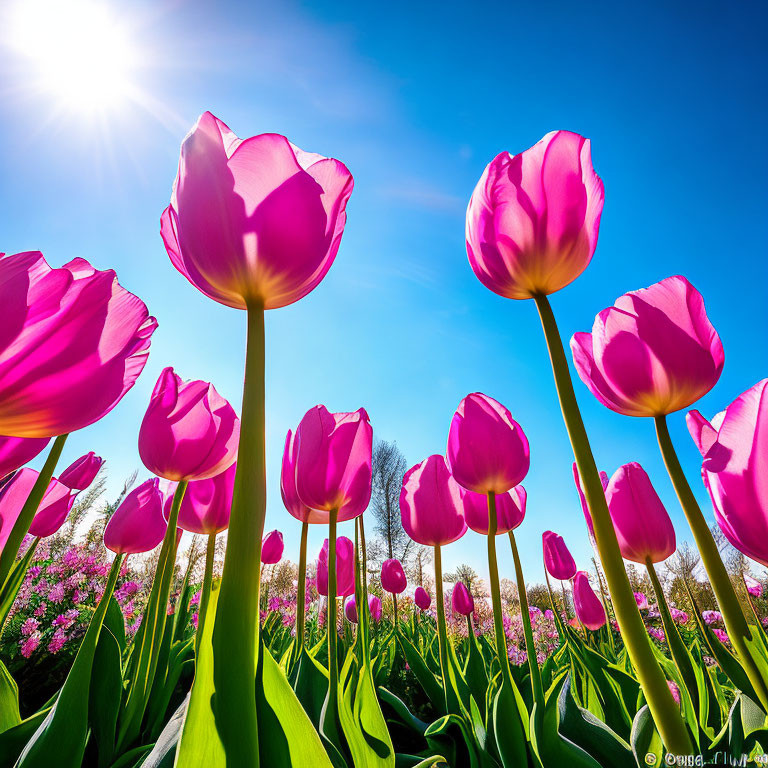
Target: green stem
pixel 565 602
pixel 493 568
pixel 205 595
pixel 442 635
pixel 603 597
pixel 27 514
pixel 665 712
pixel 301 595
pixel 236 631
pixel 394 611
pixel 533 663
pixel 733 617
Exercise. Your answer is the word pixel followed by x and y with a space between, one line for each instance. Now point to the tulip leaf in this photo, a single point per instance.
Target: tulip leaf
pixel 9 700
pixel 106 686
pixel 423 674
pixel 311 686
pixel 508 729
pixel 645 739
pixel 13 740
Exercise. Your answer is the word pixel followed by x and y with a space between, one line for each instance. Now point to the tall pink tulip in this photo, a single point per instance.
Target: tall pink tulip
pixel 734 469
pixel 189 431
pixel 586 603
pixel 258 220
pixel 421 598
pixel 345 568
pixel 15 452
pixel 393 578
pixel 350 610
pixel 653 352
pixel 73 342
pixel 558 560
pixel 642 524
pixel 206 503
pixel 272 548
pixel 138 524
pixel 510 510
pixel 432 504
pixel 51 514
pixel 533 219
pixel 333 461
pixel 582 499
pixel 375 607
pixel 82 472
pixel 291 500
pixel 487 449
pixel 461 600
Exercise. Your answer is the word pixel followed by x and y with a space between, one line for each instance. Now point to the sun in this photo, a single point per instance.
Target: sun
pixel 76 52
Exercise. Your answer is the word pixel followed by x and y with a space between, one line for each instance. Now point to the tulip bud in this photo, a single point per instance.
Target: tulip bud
pixel 754 587
pixel 557 559
pixel 138 524
pixel 587 605
pixel 345 568
pixel 582 498
pixel 272 548
pixel 375 607
pixel 643 527
pixel 652 353
pixel 350 610
pixel 533 219
pixel 510 510
pixel 189 431
pixel 432 504
pixel 421 598
pixel 393 576
pixel 81 473
pixel 487 449
pixel 461 600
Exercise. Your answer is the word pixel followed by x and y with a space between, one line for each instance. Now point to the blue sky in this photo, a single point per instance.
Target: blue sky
pixel 416 99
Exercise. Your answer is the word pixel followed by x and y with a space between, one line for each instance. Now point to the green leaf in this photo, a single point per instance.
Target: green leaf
pixel 645 739
pixel 311 686
pixel 9 700
pixel 106 686
pixel 423 674
pixel 13 740
pixel 508 729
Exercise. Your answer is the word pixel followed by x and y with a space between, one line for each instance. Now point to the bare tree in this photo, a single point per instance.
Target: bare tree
pixel 471 579
pixel 422 557
pixel 388 468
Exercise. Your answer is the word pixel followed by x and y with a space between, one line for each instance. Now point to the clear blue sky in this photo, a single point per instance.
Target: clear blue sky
pixel 416 99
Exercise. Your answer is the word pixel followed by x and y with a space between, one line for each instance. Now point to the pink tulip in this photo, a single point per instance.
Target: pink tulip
pixel 252 221
pixel 375 607
pixel 15 452
pixel 393 578
pixel 487 449
pixel 138 524
pixel 674 690
pixel 206 503
pixel 189 431
pixel 533 219
pixel 272 548
pixel 81 473
pixel 345 568
pixel 421 598
pixel 333 461
pixel 350 610
pixel 50 515
pixel 510 510
pixel 73 342
pixel 641 600
pixel 754 587
pixel 586 603
pixel 582 498
pixel 461 600
pixel 557 559
pixel 432 504
pixel 734 469
pixel 652 353
pixel 642 525
pixel 291 500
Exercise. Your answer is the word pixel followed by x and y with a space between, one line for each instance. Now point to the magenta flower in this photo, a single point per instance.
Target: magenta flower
pixel 583 499
pixel 291 500
pixel 432 504
pixel 345 568
pixel 206 503
pixel 73 343
pixel 375 607
pixel 57 641
pixel 735 451
pixel 252 221
pixel 421 598
pixel 587 605
pixel 30 644
pixel 533 219
pixel 393 578
pixel 678 616
pixel 712 617
pixel 81 473
pixel 461 600
pixel 350 610
pixel 674 690
pixel 138 524
pixel 641 600
pixel 272 548
pixel 510 510
pixel 643 527
pixel 29 627
pixel 189 431
pixel 15 452
pixel 558 560
pixel 721 635
pixel 653 352
pixel 754 587
pixel 487 449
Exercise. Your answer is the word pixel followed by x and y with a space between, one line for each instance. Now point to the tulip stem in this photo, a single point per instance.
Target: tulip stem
pixel 301 595
pixel 733 616
pixel 565 602
pixel 442 636
pixel 533 663
pixel 27 514
pixel 665 712
pixel 236 628
pixel 493 572
pixel 394 611
pixel 205 595
pixel 605 605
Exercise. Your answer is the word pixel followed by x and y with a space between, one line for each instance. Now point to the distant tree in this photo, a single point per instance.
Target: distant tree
pixel 469 576
pixel 509 595
pixel 420 574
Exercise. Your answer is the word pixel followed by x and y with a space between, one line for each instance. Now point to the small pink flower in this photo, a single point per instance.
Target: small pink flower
pixel 29 627
pixel 56 595
pixel 29 646
pixel 57 641
pixel 721 635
